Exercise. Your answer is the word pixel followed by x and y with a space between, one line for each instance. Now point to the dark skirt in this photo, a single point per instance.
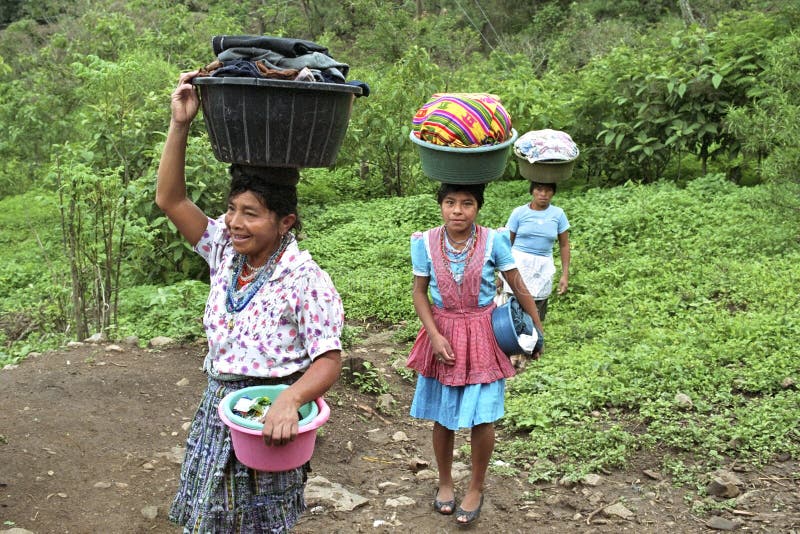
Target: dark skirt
pixel 219 494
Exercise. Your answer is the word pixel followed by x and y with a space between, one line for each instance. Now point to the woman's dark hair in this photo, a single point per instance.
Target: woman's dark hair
pixel 275 188
pixel 476 190
pixel 536 184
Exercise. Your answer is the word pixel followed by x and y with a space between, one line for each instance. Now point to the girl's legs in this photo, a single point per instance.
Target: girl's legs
pixel 443 443
pixel 482 445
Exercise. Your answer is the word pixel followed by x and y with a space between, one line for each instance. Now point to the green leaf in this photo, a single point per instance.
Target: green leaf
pixel 620 138
pixel 716 80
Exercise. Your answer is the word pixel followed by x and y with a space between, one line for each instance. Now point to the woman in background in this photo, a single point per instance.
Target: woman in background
pixel 534 228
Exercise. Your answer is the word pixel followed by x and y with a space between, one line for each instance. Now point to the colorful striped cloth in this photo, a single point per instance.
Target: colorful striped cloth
pixel 462 120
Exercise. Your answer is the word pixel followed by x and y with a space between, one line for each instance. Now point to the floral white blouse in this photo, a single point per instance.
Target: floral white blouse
pixel 296 316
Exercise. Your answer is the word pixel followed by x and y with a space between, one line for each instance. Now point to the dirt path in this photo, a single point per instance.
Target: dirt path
pixel 90 442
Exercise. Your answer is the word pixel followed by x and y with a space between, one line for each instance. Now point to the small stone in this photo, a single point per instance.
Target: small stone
pixel 724 484
pixel 426 474
pixel 150 512
pixel 121 485
pixel 147 466
pixel 417 464
pixel 72 344
pixel 565 482
pixel 175 454
pixel 114 348
pixel 595 498
pixel 652 473
pixel 349 446
pixel 182 382
pixel 618 510
pixel 102 485
pixel 385 403
pixel 185 426
pixel 684 401
pixel 160 341
pixel 592 479
pixel 387 484
pixel 62 495
pixel 400 501
pixel 722 489
pixel 721 523
pixel 787 382
pixel 96 338
pixel 399 436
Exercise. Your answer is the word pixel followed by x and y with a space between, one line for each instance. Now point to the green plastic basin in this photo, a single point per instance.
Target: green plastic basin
pixel 463 165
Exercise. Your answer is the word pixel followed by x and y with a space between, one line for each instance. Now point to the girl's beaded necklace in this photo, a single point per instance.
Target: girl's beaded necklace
pixel 454 256
pixel 238 295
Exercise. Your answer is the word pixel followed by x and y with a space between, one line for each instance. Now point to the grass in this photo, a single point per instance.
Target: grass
pixel 673 291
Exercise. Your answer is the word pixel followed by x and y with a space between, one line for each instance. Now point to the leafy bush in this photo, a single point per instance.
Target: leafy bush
pixel 174 311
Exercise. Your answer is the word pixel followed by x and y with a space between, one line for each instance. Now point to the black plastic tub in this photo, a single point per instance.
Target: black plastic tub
pixel 275 123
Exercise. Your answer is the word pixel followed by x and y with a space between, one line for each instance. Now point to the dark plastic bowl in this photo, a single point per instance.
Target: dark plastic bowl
pixel 505 333
pixel 275 123
pixel 451 165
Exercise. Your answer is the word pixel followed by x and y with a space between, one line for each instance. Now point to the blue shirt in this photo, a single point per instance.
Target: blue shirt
pixel 536 231
pixel 497 256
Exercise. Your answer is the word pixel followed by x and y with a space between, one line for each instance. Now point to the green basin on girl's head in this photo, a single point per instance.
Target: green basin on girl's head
pixel 307 412
pixel 451 165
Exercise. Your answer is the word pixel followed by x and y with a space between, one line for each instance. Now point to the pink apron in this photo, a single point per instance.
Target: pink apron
pixel 467 326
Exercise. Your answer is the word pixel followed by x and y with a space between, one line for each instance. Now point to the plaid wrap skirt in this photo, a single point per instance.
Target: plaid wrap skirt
pixel 218 494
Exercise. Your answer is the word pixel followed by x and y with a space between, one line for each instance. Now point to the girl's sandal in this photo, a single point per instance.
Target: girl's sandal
pixel 440 506
pixel 470 516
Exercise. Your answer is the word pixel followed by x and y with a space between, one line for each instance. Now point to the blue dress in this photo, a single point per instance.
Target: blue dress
pixel 460 406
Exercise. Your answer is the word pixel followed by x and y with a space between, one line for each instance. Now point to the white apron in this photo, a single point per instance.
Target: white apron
pixel 536 271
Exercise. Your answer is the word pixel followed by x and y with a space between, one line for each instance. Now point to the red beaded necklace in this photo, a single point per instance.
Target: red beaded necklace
pixel 250 273
pixel 465 255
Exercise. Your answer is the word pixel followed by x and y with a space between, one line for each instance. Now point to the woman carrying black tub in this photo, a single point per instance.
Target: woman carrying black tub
pixel 272 316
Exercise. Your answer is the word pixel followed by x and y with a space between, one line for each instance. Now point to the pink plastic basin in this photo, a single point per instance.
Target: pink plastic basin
pixel 250 449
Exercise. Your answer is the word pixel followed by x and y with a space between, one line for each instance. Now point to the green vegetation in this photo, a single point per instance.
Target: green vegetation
pixel 368 379
pixel 680 331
